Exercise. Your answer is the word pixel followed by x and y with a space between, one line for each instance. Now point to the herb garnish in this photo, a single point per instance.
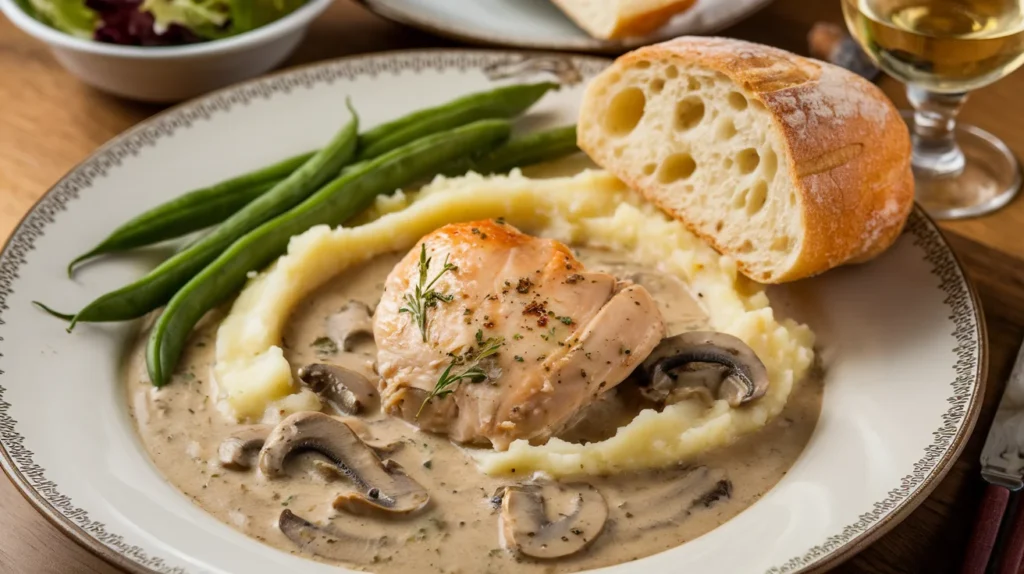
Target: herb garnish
pixel 424 296
pixel 472 373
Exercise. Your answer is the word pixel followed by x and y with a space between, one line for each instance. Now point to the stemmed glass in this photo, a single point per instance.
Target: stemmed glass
pixel 943 49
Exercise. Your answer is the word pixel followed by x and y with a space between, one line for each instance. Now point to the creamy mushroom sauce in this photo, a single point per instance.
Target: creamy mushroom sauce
pixel 458 531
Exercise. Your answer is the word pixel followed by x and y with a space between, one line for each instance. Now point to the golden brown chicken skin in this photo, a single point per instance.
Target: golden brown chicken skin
pixel 560 335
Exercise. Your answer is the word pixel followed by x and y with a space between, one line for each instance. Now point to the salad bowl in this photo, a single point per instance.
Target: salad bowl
pixel 171 73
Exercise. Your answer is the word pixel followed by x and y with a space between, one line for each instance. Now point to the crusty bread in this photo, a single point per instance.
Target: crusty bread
pixel 789 165
pixel 612 19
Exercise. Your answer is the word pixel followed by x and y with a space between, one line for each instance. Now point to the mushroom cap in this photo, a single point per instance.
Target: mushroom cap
pixel 236 451
pixel 383 487
pixel 747 377
pixel 348 391
pixel 527 529
pixel 328 541
pixel 354 319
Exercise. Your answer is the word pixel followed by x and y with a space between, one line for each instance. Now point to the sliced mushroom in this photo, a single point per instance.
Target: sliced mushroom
pixel 388 493
pixel 239 449
pixel 527 529
pixel 328 541
pixel 346 390
pixel 355 319
pixel 738 375
pixel 384 488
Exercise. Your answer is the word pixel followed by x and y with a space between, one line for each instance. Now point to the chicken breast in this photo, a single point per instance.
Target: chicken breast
pixel 519 334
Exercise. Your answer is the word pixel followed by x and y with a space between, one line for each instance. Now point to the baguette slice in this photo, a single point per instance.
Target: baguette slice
pixel 614 19
pixel 789 165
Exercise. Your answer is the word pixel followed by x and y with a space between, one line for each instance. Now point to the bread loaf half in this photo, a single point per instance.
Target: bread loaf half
pixel 789 165
pixel 612 19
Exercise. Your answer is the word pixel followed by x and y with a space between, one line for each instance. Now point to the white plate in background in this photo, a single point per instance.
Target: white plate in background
pixel 539 24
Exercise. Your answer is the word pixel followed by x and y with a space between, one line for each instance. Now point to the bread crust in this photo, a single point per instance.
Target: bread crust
pixel 847 148
pixel 637 19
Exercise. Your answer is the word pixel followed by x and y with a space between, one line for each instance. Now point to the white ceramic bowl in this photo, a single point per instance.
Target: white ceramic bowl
pixel 173 73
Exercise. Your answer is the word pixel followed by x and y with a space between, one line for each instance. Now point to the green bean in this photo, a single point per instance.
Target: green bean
pixel 338 201
pixel 160 284
pixel 504 102
pixel 193 211
pixel 520 151
pixel 204 207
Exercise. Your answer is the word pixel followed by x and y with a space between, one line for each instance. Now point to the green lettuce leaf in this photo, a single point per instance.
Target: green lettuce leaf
pixel 69 16
pixel 250 14
pixel 205 18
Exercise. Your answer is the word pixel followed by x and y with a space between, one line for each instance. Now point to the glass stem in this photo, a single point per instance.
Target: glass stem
pixel 935 153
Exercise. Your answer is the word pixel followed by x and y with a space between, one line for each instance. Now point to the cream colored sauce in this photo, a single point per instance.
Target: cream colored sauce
pixel 459 530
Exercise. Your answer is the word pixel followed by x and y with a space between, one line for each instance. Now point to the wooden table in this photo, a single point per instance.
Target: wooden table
pixel 49 122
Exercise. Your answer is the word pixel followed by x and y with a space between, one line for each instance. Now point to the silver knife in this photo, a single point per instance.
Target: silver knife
pixel 1002 466
pixel 1002 458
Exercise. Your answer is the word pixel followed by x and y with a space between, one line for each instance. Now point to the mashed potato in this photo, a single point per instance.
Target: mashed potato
pixel 592 208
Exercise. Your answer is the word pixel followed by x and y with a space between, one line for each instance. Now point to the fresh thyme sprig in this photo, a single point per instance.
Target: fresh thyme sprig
pixel 473 372
pixel 424 296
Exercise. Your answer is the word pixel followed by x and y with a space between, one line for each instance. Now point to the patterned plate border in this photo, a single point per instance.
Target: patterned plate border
pixel 17 461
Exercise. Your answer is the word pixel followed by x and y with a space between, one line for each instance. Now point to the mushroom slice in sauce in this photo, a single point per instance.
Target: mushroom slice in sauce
pixel 329 542
pixel 527 529
pixel 239 449
pixel 353 320
pixel 741 378
pixel 385 489
pixel 346 390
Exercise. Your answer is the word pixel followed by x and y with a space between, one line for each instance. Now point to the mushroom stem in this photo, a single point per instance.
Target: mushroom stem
pixel 353 320
pixel 746 378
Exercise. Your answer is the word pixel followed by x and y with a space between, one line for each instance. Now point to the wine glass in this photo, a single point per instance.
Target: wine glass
pixel 942 49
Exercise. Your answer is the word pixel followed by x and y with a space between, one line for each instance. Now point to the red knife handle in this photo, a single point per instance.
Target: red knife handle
pixel 986 529
pixel 1014 552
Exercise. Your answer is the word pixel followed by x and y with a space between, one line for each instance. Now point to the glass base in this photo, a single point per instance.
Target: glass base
pixel 990 179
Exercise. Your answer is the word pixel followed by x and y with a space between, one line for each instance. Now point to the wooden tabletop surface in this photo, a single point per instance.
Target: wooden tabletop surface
pixel 49 122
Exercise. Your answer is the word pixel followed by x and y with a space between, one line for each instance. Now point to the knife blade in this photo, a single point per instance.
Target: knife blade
pixel 1002 466
pixel 1002 457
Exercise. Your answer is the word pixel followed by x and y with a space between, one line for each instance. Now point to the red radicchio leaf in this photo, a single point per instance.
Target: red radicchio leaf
pixel 121 22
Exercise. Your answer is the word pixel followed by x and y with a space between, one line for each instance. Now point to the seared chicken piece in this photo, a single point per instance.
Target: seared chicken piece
pixel 562 335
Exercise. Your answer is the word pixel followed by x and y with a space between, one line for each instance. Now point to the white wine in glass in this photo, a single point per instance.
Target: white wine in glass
pixel 943 49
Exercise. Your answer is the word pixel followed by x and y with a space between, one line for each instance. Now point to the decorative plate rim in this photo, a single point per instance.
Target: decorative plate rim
pixel 585 45
pixel 972 349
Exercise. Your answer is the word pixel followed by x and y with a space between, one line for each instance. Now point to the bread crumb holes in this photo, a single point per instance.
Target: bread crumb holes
pixel 771 164
pixel 649 168
pixel 689 113
pixel 726 128
pixel 737 101
pixel 625 111
pixel 757 198
pixel 676 167
pixel 747 160
pixel 657 85
pixel 672 71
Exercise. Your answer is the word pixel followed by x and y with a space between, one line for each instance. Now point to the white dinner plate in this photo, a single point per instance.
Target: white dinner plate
pixel 902 337
pixel 539 24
